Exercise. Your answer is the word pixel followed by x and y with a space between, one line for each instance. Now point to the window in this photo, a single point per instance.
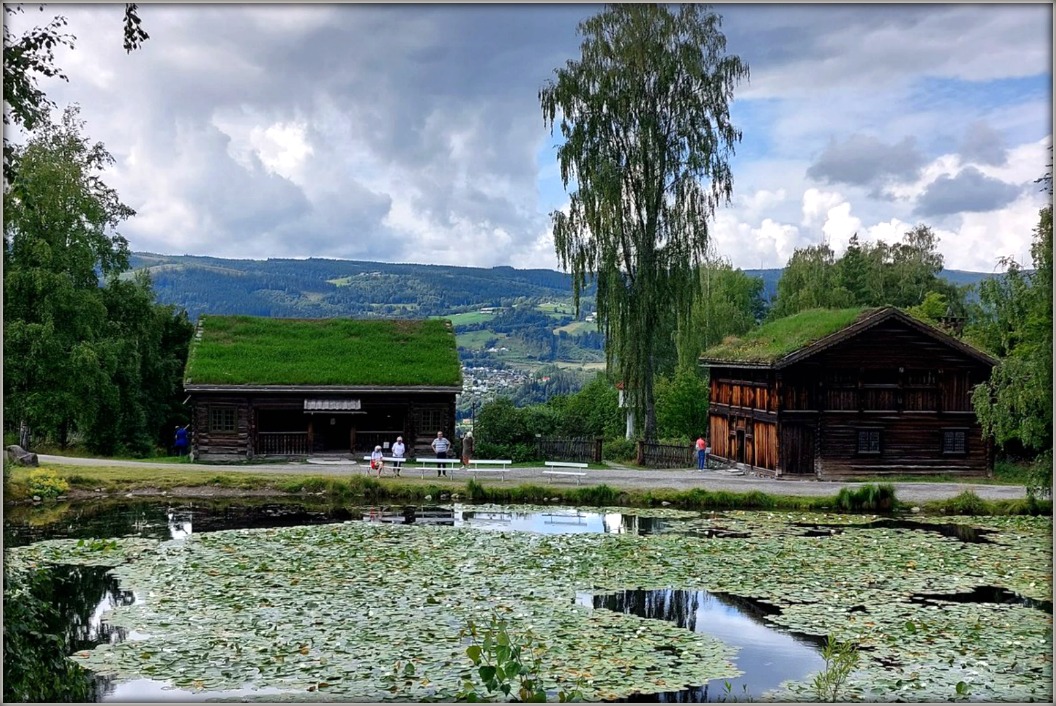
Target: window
pixel 869 441
pixel 955 442
pixel 222 419
pixel 429 420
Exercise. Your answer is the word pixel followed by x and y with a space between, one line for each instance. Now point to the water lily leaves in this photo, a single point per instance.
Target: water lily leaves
pixel 299 607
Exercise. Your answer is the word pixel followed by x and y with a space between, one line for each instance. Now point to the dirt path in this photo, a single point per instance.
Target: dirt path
pixel 629 478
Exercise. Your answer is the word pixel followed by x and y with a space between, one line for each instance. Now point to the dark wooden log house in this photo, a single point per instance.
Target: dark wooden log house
pixel 855 393
pixel 264 387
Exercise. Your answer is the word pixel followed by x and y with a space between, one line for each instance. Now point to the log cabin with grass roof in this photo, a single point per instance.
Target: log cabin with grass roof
pixel 844 393
pixel 293 388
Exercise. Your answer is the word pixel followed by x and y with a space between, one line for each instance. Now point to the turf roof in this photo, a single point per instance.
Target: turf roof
pixel 776 339
pixel 249 350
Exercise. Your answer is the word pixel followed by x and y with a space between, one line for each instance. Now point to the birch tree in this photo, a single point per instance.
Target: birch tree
pixel 645 119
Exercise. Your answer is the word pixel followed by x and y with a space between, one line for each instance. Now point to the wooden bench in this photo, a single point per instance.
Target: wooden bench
pixel 436 464
pixel 475 466
pixel 563 464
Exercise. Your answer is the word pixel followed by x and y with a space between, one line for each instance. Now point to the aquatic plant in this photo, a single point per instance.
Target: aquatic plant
pixel 841 658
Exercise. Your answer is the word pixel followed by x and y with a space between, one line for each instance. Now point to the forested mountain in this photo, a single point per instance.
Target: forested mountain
pixel 321 287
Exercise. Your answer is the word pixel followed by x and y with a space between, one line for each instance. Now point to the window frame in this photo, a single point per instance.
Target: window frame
pixel 217 419
pixel 963 450
pixel 869 451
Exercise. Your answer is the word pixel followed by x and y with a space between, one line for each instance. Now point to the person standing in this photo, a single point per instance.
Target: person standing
pixel 440 446
pixel 467 449
pixel 180 440
pixel 702 453
pixel 398 451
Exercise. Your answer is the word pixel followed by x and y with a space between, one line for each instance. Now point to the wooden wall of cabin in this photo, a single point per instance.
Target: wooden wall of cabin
pixel 907 444
pixel 742 417
pixel 209 443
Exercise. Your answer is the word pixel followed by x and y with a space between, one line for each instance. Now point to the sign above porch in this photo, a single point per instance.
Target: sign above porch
pixel 331 405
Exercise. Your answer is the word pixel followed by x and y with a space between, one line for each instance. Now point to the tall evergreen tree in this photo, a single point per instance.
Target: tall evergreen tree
pixel 645 118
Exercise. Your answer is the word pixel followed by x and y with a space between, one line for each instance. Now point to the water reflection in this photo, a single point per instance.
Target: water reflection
pixel 964 533
pixel 766 655
pixel 982 594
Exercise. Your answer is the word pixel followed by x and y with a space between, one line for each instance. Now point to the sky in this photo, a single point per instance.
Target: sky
pixel 401 133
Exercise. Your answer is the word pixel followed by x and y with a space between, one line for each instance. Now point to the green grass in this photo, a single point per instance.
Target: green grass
pixel 467 317
pixel 341 486
pixel 240 350
pixel 776 339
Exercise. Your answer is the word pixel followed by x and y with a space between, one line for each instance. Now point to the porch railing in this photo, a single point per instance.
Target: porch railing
pixel 282 443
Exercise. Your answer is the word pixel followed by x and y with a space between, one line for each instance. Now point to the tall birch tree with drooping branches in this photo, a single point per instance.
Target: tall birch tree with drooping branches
pixel 645 117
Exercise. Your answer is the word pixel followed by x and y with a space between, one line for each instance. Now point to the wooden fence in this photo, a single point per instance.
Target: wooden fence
pixel 582 450
pixel 282 443
pixel 652 455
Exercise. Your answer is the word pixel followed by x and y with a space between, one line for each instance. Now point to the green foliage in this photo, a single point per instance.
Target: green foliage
pixel 235 350
pixel 967 503
pixel 777 338
pixel 1014 321
pixel 36 668
pixel 644 114
pixel 508 665
pixel 593 411
pixel 841 658
pixel 103 361
pixel 729 303
pixel 870 275
pixel 619 449
pixel 682 404
pixel 46 483
pixel 871 497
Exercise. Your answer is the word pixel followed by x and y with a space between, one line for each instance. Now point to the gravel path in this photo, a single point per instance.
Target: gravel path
pixel 619 477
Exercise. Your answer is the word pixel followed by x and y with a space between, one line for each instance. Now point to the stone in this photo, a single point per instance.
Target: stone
pixel 665 503
pixel 915 510
pixel 19 455
pixel 36 498
pixel 445 496
pixel 428 497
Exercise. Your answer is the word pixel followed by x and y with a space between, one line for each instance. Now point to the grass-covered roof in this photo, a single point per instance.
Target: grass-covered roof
pixel 249 350
pixel 776 339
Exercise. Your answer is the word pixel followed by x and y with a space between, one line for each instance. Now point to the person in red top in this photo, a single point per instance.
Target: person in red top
pixel 702 453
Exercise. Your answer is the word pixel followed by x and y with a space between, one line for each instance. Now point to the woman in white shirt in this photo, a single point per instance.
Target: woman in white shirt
pixel 377 460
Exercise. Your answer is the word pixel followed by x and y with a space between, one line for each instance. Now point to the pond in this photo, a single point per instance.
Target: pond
pixel 285 601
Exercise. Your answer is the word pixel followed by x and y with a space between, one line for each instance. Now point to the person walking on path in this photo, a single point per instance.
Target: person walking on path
pixel 702 453
pixel 398 451
pixel 467 449
pixel 440 446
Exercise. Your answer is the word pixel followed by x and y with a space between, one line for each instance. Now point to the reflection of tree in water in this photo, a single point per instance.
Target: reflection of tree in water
pixel 80 595
pixel 675 606
pixel 59 614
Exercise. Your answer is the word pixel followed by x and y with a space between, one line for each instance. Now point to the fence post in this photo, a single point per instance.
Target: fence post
pixel 640 459
pixel 597 449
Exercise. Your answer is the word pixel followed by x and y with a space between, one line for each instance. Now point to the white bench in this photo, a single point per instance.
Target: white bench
pixel 436 464
pixel 564 464
pixel 475 466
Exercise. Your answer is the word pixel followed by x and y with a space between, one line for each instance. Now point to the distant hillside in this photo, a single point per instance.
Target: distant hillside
pixel 315 288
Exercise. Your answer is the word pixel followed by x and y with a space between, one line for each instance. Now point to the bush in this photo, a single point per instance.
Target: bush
pixel 868 498
pixel 46 484
pixel 619 449
pixel 967 503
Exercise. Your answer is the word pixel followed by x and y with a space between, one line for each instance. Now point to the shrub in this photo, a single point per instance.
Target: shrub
pixel 619 450
pixel 967 503
pixel 46 483
pixel 868 498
